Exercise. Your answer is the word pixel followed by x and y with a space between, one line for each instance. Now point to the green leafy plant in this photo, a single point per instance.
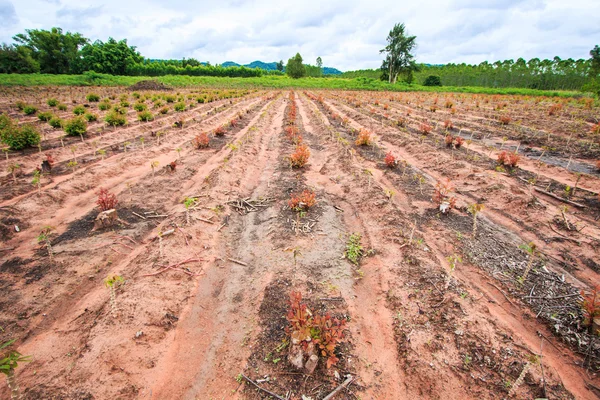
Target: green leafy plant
pixel 76 127
pixel 44 238
pixel 9 361
pixel 36 181
pixel 90 117
pixel 153 164
pixel 52 102
pixel 29 110
pixel 93 98
pixel 79 110
pixel 72 164
pixel 20 138
pixel 55 122
pixel 12 169
pixel 45 116
pixel 62 107
pixel 111 282
pixel 145 116
pixel 354 250
pixel 530 249
pixel 115 119
pixel 188 203
pixel 140 107
pixel 179 107
pixel 104 106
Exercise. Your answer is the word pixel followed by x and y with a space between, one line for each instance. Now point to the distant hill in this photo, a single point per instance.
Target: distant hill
pixel 273 66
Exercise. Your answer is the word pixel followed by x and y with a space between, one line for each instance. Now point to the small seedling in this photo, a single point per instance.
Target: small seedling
pixel 142 142
pixel 531 249
pixel 178 150
pixel 475 209
pixel 44 238
pixel 73 150
pixel 102 153
pixel 37 180
pixel 106 200
pixel 188 202
pixel 9 361
pixel 111 283
pixel 153 164
pixel 354 250
pixel 125 146
pixel 389 193
pixel 591 308
pixel 72 164
pixel 13 171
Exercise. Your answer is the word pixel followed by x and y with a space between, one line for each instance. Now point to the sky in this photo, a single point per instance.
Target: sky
pixel 346 34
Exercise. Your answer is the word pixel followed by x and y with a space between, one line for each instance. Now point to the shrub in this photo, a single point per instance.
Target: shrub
pixel 219 131
pixel 55 122
pixel 79 110
pixel 390 160
pixel 113 118
pixel 20 138
pixel 425 128
pixel 432 80
pixel 442 196
pixel 106 200
pixel 170 98
pixel 201 141
pixel 104 106
pixel 76 126
pixel 302 201
pixel 508 159
pixel 505 119
pixel 45 116
pixel 449 140
pixel 6 126
pixel 179 107
pixel 29 110
pixel 448 125
pixel 458 141
pixel 299 158
pixel 164 110
pixel 124 104
pixel 90 117
pixel 145 116
pixel 93 98
pixel 364 138
pixel 140 107
pixel 591 306
pixel 52 102
pixel 62 107
pixel 20 105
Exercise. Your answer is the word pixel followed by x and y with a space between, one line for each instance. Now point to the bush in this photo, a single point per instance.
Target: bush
pixel 93 98
pixel 432 80
pixel 6 126
pixel 302 201
pixel 55 122
pixel 115 119
pixel 170 98
pixel 76 126
pixel 201 141
pixel 20 138
pixel 124 104
pixel 179 106
pixel 52 102
pixel 79 110
pixel 140 107
pixel 390 160
pixel 164 110
pixel 299 158
pixel 29 110
pixel 106 200
pixel 20 105
pixel 62 107
pixel 145 116
pixel 219 131
pixel 90 117
pixel 104 106
pixel 364 138
pixel 45 116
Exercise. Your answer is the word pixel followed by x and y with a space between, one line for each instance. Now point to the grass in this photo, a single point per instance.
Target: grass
pixel 266 82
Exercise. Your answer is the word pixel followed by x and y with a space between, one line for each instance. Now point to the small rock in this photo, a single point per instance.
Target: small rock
pixel 138 334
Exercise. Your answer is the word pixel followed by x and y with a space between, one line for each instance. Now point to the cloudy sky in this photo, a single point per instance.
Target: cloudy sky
pixel 347 34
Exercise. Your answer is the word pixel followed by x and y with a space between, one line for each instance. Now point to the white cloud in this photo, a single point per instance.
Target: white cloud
pixel 346 34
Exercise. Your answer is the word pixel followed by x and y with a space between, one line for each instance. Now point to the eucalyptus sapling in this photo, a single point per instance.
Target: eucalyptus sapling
pixel 178 150
pixel 102 153
pixel 37 180
pixel 44 238
pixel 9 361
pixel 111 283
pixel 188 202
pixel 475 209
pixel 153 165
pixel 453 260
pixel 73 150
pixel 530 249
pixel 72 164
pixel 142 142
pixel 13 170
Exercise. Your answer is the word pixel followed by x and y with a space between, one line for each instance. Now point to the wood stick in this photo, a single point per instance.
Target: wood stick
pixel 173 266
pixel 501 291
pixel 7 248
pixel 337 389
pixel 552 298
pixel 138 215
pixel 559 198
pixel 238 262
pixel 262 389
pixel 205 220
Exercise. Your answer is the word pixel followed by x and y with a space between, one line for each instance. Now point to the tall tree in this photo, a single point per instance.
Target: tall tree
pixel 294 68
pixel 595 61
pixel 111 57
pixel 399 58
pixel 280 65
pixel 17 60
pixel 319 62
pixel 55 51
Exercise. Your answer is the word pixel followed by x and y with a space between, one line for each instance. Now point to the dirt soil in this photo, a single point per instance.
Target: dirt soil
pixel 432 308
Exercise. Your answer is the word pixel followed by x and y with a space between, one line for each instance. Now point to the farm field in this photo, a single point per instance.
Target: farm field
pixel 246 207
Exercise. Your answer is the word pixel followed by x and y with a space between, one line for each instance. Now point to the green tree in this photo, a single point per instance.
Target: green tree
pixel 280 65
pixel 399 59
pixel 595 61
pixel 17 60
pixel 112 57
pixel 319 62
pixel 55 51
pixel 294 68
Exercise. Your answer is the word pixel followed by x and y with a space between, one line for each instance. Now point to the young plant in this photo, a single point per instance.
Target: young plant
pixel 458 142
pixel 111 283
pixel 303 201
pixel 453 260
pixel 590 306
pixel 44 238
pixel 530 249
pixel 364 138
pixel 72 164
pixel 219 131
pixel 425 128
pixel 102 153
pixel 145 116
pixel 12 169
pixel 354 250
pixel 52 102
pixel 79 110
pixel 475 209
pixel 76 127
pixel 36 181
pixel 449 140
pixel 153 164
pixel 299 158
pixel 390 160
pixel 188 202
pixel 443 196
pixel 201 141
pixel 56 122
pixel 45 116
pixel 178 150
pixel 106 200
pixel 9 361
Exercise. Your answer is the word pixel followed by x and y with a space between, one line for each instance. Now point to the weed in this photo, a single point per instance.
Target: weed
pixel 106 200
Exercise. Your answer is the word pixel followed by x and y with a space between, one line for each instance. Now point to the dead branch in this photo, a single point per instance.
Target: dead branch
pixel 560 198
pixel 262 389
pixel 237 262
pixel 176 267
pixel 337 389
